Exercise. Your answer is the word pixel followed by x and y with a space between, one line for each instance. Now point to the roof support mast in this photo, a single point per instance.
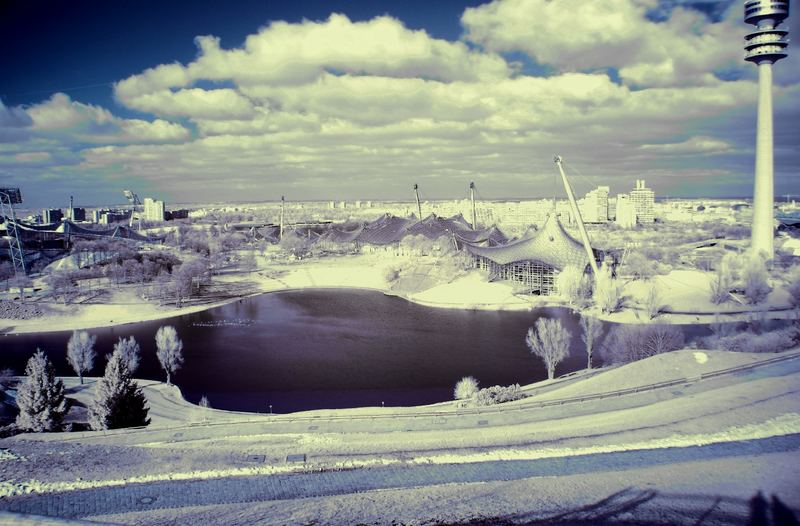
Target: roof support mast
pixel 472 198
pixel 416 196
pixel 280 231
pixel 577 213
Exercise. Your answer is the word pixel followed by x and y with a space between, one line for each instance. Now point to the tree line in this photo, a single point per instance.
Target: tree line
pixel 118 401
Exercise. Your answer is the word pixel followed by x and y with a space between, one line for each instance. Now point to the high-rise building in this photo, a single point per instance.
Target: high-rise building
pixel 644 200
pixel 153 210
pixel 76 214
pixel 594 206
pixel 51 215
pixel 765 46
pixel 625 215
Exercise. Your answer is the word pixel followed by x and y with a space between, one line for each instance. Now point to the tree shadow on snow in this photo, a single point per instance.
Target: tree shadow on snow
pixel 650 508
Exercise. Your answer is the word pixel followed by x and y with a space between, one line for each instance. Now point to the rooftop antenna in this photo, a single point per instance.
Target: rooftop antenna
pixel 280 231
pixel 472 198
pixel 416 195
pixel 8 198
pixel 577 213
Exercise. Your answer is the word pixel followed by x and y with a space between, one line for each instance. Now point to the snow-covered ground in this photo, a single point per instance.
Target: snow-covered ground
pixel 747 406
pixel 684 291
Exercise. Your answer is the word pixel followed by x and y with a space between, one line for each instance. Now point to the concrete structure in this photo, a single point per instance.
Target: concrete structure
pixel 153 210
pixel 643 200
pixel 764 47
pixel 594 206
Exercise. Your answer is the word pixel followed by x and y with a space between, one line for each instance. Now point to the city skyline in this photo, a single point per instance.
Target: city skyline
pixel 342 101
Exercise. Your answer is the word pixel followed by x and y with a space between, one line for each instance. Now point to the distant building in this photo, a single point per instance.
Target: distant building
pixel 153 210
pixel 106 217
pixel 76 214
pixel 177 214
pixel 594 206
pixel 52 215
pixel 643 200
pixel 625 211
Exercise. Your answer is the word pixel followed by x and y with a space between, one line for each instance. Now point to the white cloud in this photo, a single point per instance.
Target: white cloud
pixel 74 120
pixel 573 35
pixel 693 145
pixel 195 102
pixel 284 54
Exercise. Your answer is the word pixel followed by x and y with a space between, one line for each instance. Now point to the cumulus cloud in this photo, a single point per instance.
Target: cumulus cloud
pixel 60 115
pixel 686 48
pixel 284 54
pixel 336 108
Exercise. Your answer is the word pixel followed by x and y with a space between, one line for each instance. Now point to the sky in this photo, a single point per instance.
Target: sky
pixel 250 100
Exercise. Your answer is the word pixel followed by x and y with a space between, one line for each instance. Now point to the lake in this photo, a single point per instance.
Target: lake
pixel 327 348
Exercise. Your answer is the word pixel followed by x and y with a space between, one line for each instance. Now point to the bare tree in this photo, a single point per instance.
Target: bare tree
pixel 592 330
pixel 549 340
pixel 169 350
pixel 721 285
pixel 569 283
pixel 652 302
pixel 663 338
pixel 80 352
pixel 130 352
pixel 607 292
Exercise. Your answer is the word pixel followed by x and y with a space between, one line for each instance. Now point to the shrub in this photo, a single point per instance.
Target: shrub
pixel 607 292
pixel 499 394
pixel 571 284
pixel 793 285
pixel 466 388
pixel 628 343
pixel 755 278
pixel 768 342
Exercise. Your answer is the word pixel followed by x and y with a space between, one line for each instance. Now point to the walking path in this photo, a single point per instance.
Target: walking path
pixel 178 494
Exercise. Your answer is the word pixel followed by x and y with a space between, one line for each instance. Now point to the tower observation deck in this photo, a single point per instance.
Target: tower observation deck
pixel 765 46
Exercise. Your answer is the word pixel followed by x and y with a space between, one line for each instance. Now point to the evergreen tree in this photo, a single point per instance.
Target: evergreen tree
pixel 41 397
pixel 118 400
pixel 169 348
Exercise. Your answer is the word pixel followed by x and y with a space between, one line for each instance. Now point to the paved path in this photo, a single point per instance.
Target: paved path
pixel 178 494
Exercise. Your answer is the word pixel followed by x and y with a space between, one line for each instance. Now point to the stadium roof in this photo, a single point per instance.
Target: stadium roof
pixel 551 245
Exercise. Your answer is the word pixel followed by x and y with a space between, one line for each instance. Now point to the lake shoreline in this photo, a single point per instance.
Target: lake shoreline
pixel 468 292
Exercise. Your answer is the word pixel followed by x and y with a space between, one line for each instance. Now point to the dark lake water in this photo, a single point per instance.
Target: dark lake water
pixel 315 349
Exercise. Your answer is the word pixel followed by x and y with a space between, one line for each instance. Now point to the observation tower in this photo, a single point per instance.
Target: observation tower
pixel 764 46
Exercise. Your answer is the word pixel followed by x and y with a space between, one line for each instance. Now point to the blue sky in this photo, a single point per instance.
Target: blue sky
pixel 353 99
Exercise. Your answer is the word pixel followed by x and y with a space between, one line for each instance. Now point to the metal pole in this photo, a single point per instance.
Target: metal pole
pixel 280 232
pixel 472 198
pixel 416 196
pixel 577 213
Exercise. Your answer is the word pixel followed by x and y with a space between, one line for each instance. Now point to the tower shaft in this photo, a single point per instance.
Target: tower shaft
pixel 763 190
